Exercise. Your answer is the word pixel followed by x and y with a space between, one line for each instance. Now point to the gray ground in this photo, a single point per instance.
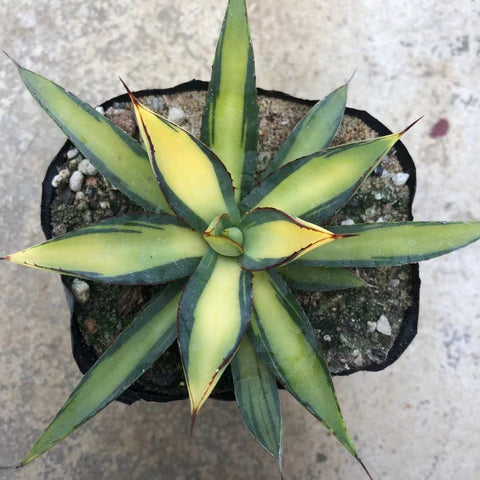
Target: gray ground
pixel 417 420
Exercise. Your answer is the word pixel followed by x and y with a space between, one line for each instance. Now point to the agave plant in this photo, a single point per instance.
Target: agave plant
pixel 219 242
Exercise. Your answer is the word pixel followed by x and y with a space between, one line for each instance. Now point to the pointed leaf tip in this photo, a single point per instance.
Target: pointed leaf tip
pixel 10 467
pixel 359 460
pixel 351 77
pixel 130 93
pixel 405 130
pixel 12 59
pixel 192 423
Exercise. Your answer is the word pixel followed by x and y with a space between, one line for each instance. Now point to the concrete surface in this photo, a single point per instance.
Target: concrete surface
pixel 419 419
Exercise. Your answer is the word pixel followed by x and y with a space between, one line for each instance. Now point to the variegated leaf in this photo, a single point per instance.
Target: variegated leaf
pixel 272 238
pixel 316 279
pixel 213 315
pixel 284 338
pixel 230 121
pixel 315 131
pixel 379 244
pixel 194 181
pixel 137 347
pixel 118 157
pixel 134 249
pixel 257 397
pixel 316 186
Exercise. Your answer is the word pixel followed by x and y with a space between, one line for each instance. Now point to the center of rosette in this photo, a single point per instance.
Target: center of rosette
pixel 224 237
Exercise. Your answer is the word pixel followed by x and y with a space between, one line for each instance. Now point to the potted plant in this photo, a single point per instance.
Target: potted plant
pixel 215 233
pixel 98 309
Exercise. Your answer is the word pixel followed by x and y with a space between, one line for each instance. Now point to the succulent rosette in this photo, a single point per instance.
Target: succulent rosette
pixel 219 241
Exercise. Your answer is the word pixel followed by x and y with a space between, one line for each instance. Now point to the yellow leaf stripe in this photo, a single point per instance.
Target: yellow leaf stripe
pixel 214 312
pixel 273 238
pixel 134 249
pixel 137 347
pixel 315 130
pixel 316 186
pixel 230 123
pixel 381 244
pixel 284 337
pixel 194 181
pixel 118 157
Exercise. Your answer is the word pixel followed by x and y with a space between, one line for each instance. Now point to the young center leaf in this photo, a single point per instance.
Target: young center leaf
pixel 230 120
pixel 134 249
pixel 213 315
pixel 194 181
pixel 136 348
pixel 272 238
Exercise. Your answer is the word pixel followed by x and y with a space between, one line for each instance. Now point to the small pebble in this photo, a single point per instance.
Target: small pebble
pixel 378 195
pixel 378 171
pixel 104 204
pixel 80 196
pixel 380 220
pixel 400 179
pixel 385 173
pixel 176 115
pixel 285 121
pixel 61 178
pixel 87 168
pixel 76 181
pixel 80 290
pixel 73 164
pixel 100 109
pixel 60 229
pixel 91 181
pixel 87 217
pixel 357 358
pixel 383 326
pixel 394 283
pixel 158 103
pixel 327 338
pixel 371 326
pixel 90 326
pixel 348 221
pixel 72 153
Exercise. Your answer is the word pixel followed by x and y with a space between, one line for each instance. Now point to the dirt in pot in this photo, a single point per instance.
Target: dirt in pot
pixel 356 328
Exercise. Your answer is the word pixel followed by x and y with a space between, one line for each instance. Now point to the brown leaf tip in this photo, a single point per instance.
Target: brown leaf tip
pixel 405 130
pixel 344 235
pixel 10 467
pixel 192 424
pixel 130 94
pixel 364 467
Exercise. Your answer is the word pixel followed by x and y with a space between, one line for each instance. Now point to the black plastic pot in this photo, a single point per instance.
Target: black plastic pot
pixel 85 355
